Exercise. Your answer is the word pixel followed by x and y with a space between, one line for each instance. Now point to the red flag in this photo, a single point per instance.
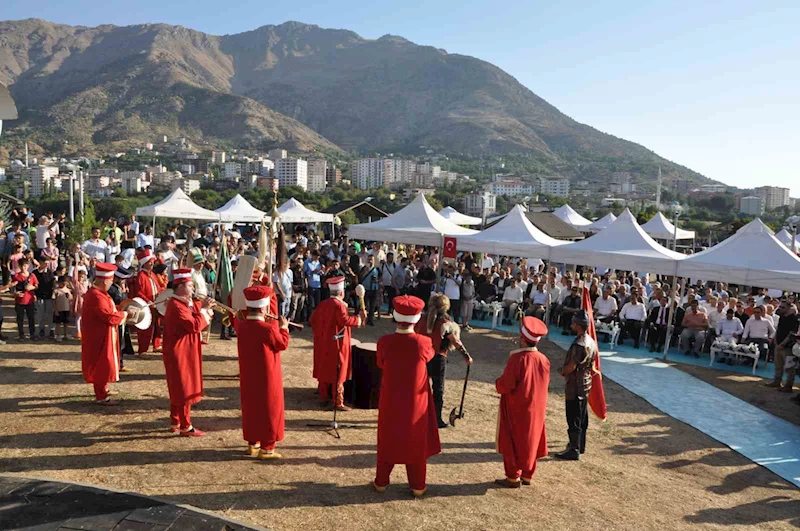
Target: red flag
pixel 597 397
pixel 450 250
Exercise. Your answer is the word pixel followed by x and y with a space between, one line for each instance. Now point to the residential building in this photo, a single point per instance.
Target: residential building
pixel 317 169
pixel 108 172
pixel 248 182
pixel 713 188
pixel 187 185
pixel 558 186
pixel 232 170
pixel 95 183
pixel 218 157
pixel 151 170
pixel 510 187
pixel 187 169
pixel 134 182
pixel 262 167
pixel 772 197
pixel 610 201
pixel 333 176
pixel 480 204
pixel 448 177
pixel 751 205
pixel 429 169
pixel 373 173
pixel 403 170
pixel 165 179
pixel 269 183
pixel 681 186
pixel 292 172
pixel 40 177
pixel 277 154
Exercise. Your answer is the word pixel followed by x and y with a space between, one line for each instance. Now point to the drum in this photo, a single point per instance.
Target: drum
pixel 366 382
pixel 161 301
pixel 144 318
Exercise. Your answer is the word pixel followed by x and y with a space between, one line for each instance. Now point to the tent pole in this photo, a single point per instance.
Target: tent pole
pixel 670 324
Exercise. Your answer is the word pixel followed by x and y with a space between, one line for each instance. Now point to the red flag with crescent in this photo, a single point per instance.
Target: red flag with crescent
pixel 597 396
pixel 450 247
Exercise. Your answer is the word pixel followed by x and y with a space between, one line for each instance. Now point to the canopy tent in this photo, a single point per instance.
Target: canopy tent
pixel 177 205
pixel 786 238
pixel 514 235
pixel 660 228
pixel 293 211
pixel 416 223
pixel 601 224
pixel 623 245
pixel 238 209
pixel 8 111
pixel 454 216
pixel 568 215
pixel 751 257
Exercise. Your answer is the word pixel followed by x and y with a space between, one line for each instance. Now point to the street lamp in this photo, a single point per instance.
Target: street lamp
pixel 676 209
pixel 793 222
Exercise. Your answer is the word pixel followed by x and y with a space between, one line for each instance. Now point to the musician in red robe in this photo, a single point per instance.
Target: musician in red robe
pixel 331 325
pixel 261 341
pixel 147 289
pixel 407 427
pixel 521 435
pixel 100 342
pixel 183 321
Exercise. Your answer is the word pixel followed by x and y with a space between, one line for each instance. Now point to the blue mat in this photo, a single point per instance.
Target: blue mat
pixel 761 437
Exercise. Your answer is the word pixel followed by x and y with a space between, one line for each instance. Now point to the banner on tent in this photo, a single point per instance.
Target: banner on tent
pixel 450 247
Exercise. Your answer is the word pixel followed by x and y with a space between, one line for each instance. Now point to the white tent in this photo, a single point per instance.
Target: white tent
pixel 623 245
pixel 568 215
pixel 786 238
pixel 660 228
pixel 416 223
pixel 454 216
pixel 514 235
pixel 8 111
pixel 751 257
pixel 293 211
pixel 176 205
pixel 600 224
pixel 238 209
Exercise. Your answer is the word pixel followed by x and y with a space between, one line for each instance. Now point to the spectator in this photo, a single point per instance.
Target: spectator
pixel 46 280
pixel 63 298
pixel 134 225
pixel 95 247
pixel 467 300
pixel 25 285
pixel 759 330
pixel 283 278
pixel 400 277
pixel 369 279
pixel 787 325
pixel 741 313
pixel 695 324
pixel 540 301
pixel 452 288
pixel 512 298
pixel 606 306
pixel 657 324
pixel 313 270
pixel 633 316
pixel 299 289
pixel 45 230
pixel 426 279
pixel 730 328
pixel 388 281
pixel 146 238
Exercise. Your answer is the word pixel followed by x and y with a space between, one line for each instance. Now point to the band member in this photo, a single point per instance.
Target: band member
pixel 445 336
pixel 261 341
pixel 331 325
pixel 407 431
pixel 577 371
pixel 100 343
pixel 183 321
pixel 118 293
pixel 147 290
pixel 521 436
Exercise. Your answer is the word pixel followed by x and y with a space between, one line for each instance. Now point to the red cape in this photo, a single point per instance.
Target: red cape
pixel 261 378
pixel 100 343
pixel 182 351
pixel 407 426
pixel 328 319
pixel 523 405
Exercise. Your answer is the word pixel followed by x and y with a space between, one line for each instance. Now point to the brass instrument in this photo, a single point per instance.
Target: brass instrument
pixel 242 314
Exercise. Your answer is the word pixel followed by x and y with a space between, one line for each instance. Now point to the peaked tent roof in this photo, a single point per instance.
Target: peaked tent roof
pixel 454 216
pixel 293 211
pixel 177 205
pixel 751 257
pixel 623 245
pixel 661 228
pixel 416 223
pixel 568 215
pixel 239 209
pixel 600 224
pixel 514 235
pixel 785 238
pixel 8 111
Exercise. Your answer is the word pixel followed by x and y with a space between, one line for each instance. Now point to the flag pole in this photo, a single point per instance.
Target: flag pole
pixel 216 276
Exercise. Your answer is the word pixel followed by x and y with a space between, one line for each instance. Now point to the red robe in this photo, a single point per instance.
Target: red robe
pixel 146 286
pixel 261 378
pixel 523 403
pixel 407 425
pixel 328 320
pixel 100 341
pixel 182 351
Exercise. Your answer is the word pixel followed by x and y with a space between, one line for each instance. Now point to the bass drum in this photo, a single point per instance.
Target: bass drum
pixel 144 318
pixel 161 301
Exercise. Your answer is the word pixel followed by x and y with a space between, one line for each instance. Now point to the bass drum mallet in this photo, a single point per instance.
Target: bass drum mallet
pixel 460 415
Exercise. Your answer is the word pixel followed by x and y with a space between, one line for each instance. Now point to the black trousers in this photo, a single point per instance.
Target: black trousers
pixel 391 293
pixel 370 299
pixel 577 422
pixel 28 310
pixel 657 336
pixel 634 330
pixel 436 369
pixel 126 346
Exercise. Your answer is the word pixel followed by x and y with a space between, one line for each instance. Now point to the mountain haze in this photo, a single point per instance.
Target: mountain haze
pixel 290 84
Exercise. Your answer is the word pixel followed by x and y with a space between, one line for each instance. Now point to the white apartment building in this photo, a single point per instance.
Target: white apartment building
pixel 248 182
pixel 317 169
pixel 510 187
pixel 40 177
pixel 373 173
pixel 165 179
pixel 231 170
pixel 772 197
pixel 292 172
pixel 218 157
pixel 751 206
pixel 133 182
pixel 95 183
pixel 480 203
pixel 558 187
pixel 277 154
pixel 261 167
pixel 448 177
pixel 187 185
pixel 187 169
pixel 403 170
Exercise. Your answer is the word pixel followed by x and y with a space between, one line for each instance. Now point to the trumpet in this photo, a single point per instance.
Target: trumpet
pixel 227 311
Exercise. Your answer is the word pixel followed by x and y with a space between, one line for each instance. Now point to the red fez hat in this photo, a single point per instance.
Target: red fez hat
pixel 532 329
pixel 258 296
pixel 104 270
pixel 335 283
pixel 408 309
pixel 144 256
pixel 179 276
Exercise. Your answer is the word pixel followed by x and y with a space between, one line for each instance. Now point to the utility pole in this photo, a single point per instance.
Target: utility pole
pixel 72 196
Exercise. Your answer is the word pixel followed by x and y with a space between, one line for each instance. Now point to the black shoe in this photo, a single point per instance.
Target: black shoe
pixel 570 454
pixel 443 424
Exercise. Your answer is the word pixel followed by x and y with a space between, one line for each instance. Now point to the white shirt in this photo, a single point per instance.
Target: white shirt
pixel 714 317
pixel 387 270
pixel 604 307
pixel 487 263
pixel 134 227
pixel 42 233
pixel 95 249
pixel 540 297
pixel 200 286
pixel 523 285
pixel 128 254
pixel 143 240
pixel 555 292
pixel 452 287
pixel 727 329
pixel 663 315
pixel 512 294
pixel 758 329
pixel 633 312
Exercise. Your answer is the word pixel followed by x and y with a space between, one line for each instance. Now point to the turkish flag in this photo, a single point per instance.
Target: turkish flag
pixel 597 396
pixel 450 250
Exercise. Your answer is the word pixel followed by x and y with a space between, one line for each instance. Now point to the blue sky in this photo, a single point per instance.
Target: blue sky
pixel 712 85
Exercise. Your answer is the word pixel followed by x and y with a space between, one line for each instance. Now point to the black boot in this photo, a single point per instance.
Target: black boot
pixel 571 453
pixel 439 405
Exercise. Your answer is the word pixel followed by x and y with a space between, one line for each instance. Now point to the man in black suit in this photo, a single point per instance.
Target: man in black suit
pixel 657 324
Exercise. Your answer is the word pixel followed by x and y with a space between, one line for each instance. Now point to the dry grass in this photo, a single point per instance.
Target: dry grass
pixel 644 470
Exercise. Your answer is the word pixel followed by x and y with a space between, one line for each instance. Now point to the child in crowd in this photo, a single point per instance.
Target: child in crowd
pixel 49 257
pixel 44 299
pixel 14 258
pixel 63 298
pixel 25 299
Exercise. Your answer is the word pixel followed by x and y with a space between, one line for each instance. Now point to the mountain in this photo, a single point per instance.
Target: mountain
pixel 295 82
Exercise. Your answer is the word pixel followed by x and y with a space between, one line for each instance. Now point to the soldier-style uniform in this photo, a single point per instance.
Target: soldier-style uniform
pixel 577 371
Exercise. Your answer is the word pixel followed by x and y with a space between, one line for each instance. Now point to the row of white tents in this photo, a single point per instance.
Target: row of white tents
pixel 659 227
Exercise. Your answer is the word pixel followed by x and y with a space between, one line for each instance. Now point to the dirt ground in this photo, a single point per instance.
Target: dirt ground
pixel 643 470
